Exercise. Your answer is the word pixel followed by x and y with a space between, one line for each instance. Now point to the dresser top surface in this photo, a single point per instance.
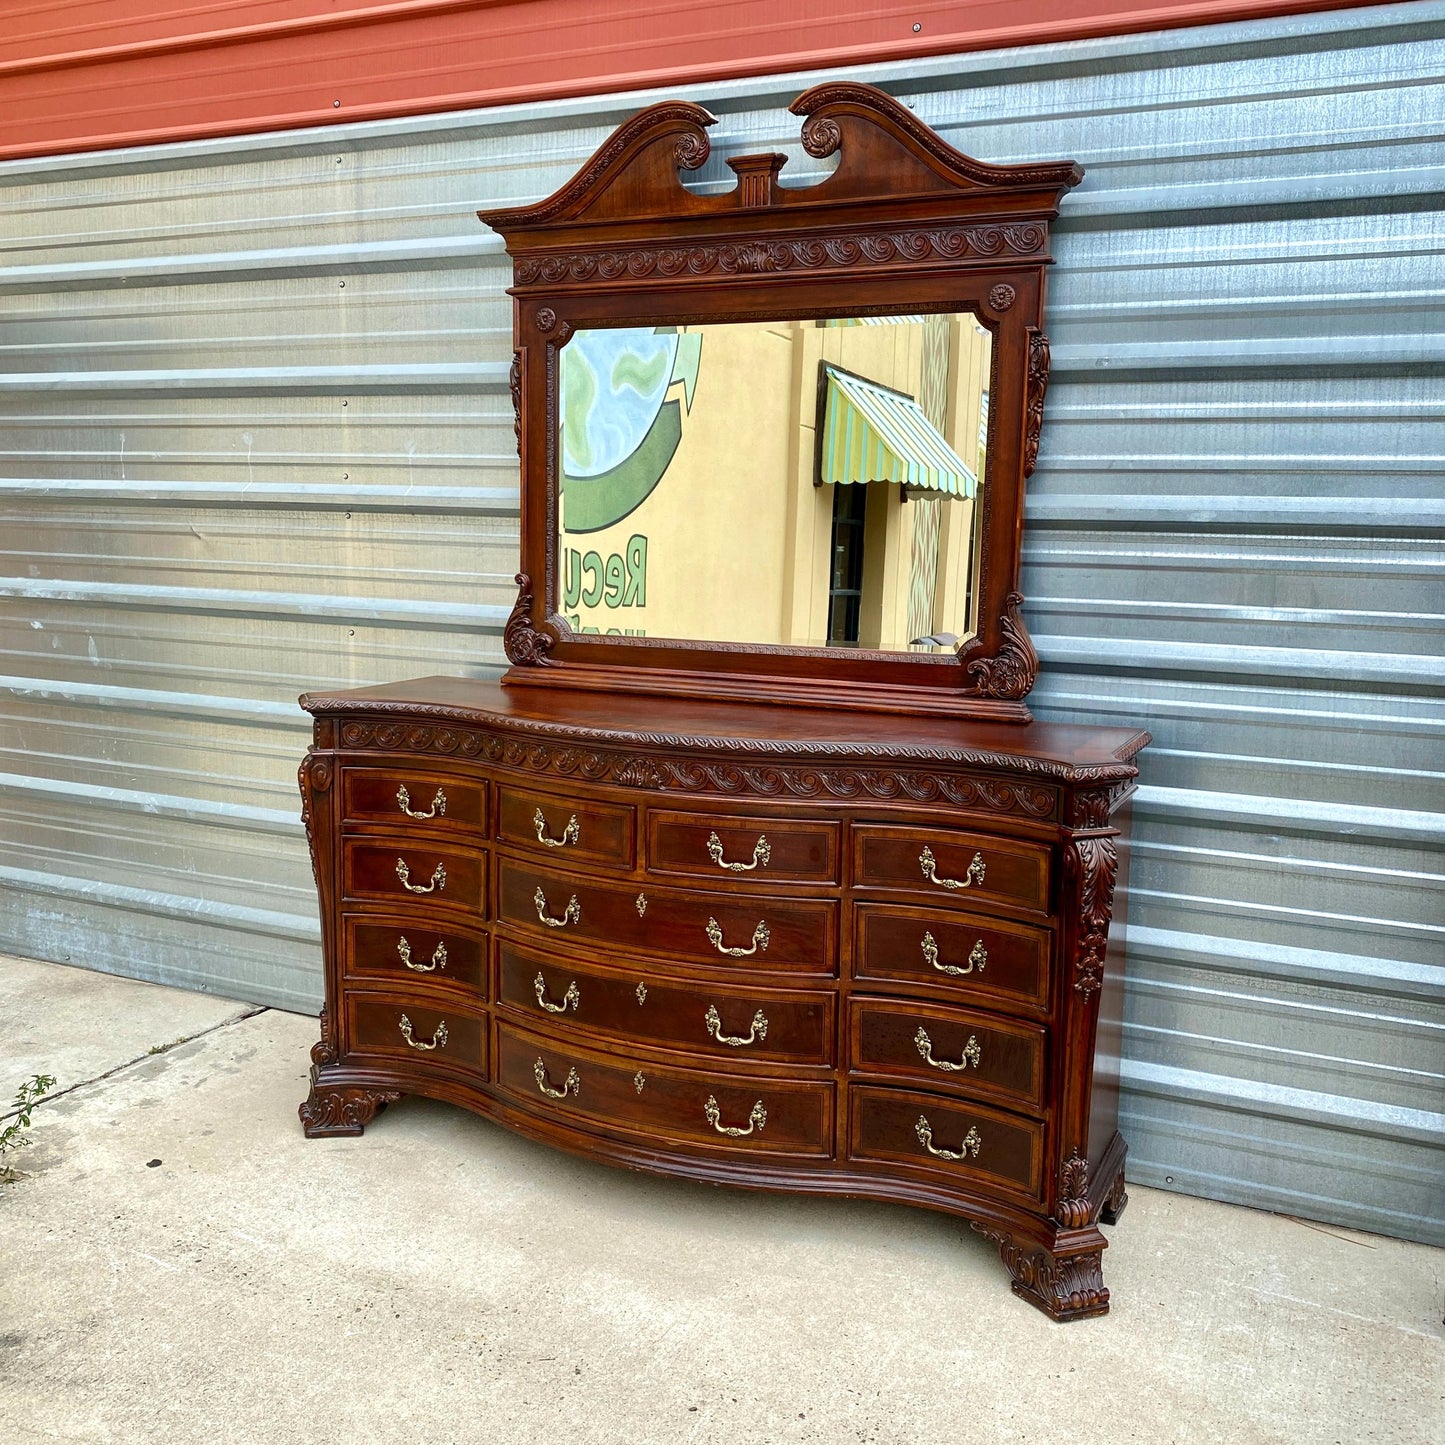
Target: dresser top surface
pixel 1069 752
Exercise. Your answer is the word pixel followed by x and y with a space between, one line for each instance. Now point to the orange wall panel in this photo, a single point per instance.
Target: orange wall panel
pixel 80 75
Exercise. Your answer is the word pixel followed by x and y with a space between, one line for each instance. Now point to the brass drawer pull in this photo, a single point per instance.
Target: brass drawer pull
pixel 438 1039
pixel 438 878
pixel 761 938
pixel 762 854
pixel 438 959
pixel 572 913
pixel 929 864
pixel 971 1053
pixel 757 1119
pixel 572 1084
pixel 759 1029
pixel 573 996
pixel 971 1141
pixel 976 959
pixel 572 833
pixel 438 804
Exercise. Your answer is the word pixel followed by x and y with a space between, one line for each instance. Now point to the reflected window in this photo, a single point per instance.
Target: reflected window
pixel 845 590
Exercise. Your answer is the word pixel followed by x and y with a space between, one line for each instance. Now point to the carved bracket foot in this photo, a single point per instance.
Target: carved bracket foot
pixel 341 1110
pixel 1114 1204
pixel 1065 1287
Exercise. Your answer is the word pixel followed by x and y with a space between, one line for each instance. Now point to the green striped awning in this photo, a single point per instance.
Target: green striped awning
pixel 872 434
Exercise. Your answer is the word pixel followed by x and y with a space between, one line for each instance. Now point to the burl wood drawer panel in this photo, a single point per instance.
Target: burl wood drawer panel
pixel 564 827
pixel 935 1046
pixel 745 1116
pixel 421 873
pixel 947 1137
pixel 399 949
pixel 412 798
pixel 1002 965
pixel 742 849
pixel 976 870
pixel 429 1034
pixel 712 1021
pixel 754 931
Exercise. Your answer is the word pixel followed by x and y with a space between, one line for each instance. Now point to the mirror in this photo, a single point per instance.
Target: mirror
pixel 801 483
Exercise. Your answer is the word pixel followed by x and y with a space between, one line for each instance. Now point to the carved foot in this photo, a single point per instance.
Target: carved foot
pixel 343 1110
pixel 1065 1287
pixel 1114 1204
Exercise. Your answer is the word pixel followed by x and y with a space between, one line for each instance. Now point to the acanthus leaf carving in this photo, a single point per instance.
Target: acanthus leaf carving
pixel 1010 672
pixel 1066 1288
pixel 1037 384
pixel 341 1109
pixel 1092 862
pixel 525 645
pixel 1074 1206
pixel 514 383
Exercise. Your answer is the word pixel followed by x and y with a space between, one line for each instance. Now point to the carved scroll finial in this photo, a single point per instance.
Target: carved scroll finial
pixel 1037 385
pixel 1011 671
pixel 525 646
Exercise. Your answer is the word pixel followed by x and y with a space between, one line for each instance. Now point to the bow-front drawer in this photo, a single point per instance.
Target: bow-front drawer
pixel 414 800
pixel 711 1020
pixel 752 931
pixel 566 828
pixel 398 949
pixel 744 850
pixel 942 1047
pixel 947 1137
pixel 976 870
pixel 431 1034
pixel 420 872
pixel 1003 965
pixel 700 1108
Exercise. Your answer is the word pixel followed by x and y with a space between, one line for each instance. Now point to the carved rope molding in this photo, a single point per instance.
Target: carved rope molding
pixel 907 247
pixel 1067 1285
pixel 1092 863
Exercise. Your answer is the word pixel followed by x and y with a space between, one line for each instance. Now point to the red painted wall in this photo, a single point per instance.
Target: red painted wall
pixel 80 75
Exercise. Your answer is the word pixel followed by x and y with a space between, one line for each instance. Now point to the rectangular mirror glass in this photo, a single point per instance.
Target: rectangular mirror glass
pixel 803 483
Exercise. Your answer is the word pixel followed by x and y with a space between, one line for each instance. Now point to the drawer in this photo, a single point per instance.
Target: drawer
pixel 941 1047
pixel 420 873
pixel 750 931
pixel 699 1108
pixel 952 1138
pixel 427 1034
pixel 398 949
pixel 414 799
pixel 566 827
pixel 1005 965
pixel 976 870
pixel 711 1020
pixel 751 850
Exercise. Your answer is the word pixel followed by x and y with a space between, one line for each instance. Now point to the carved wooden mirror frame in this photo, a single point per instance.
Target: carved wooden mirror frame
pixel 905 224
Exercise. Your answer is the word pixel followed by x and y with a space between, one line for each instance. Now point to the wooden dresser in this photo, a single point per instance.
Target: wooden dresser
pixel 766 946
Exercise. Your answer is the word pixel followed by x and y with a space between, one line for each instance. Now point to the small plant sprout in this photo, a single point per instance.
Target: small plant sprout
pixel 13 1137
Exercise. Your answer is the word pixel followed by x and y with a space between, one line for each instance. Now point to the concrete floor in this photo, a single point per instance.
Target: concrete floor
pixel 442 1281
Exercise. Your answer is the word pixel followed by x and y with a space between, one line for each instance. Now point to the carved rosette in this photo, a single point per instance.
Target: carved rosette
pixel 342 1110
pixel 1066 1288
pixel 1091 863
pixel 1010 672
pixel 524 645
pixel 1074 1208
pixel 1002 296
pixel 1037 385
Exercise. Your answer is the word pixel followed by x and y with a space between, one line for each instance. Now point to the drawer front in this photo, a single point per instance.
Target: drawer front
pixel 948 1048
pixel 747 931
pixel 953 1138
pixel 429 1035
pixel 563 828
pixel 710 1020
pixel 422 874
pixel 699 1108
pixel 414 799
pixel 399 949
pixel 750 850
pixel 1005 965
pixel 975 870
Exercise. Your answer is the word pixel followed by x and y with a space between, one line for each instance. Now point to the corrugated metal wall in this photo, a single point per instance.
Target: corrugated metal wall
pixel 255 436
